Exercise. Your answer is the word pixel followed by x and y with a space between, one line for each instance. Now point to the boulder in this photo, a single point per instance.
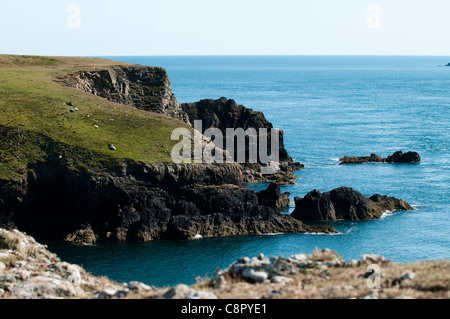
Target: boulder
pixel 344 203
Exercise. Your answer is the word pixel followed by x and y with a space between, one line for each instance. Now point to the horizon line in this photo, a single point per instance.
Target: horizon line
pixel 232 55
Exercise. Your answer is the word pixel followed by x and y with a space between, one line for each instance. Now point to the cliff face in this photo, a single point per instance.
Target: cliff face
pixel 140 202
pixel 225 113
pixel 146 88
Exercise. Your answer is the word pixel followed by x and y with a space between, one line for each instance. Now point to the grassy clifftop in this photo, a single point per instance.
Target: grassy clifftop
pixel 37 123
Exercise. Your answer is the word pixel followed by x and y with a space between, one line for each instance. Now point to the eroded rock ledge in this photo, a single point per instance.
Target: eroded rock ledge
pixel 397 157
pixel 344 203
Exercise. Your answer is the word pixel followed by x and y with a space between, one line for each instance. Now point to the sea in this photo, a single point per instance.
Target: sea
pixel 328 107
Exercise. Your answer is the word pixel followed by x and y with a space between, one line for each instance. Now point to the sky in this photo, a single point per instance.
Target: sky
pixel 225 27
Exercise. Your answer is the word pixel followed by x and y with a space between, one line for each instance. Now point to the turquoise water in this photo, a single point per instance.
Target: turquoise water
pixel 328 107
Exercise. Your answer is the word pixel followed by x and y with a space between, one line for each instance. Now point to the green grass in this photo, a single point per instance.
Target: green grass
pixel 33 105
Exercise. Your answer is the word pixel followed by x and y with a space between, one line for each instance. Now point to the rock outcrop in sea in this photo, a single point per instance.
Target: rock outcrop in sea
pixel 344 203
pixel 397 157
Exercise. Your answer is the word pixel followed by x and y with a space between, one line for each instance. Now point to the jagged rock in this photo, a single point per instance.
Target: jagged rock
pixel 273 197
pixel 344 203
pixel 226 114
pixel 84 236
pixel 397 157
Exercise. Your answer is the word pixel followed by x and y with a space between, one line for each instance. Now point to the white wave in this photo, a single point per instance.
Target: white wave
pixel 386 214
pixel 328 234
pixel 335 159
pixel 198 236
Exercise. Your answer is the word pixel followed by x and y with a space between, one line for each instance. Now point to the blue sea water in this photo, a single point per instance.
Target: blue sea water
pixel 328 107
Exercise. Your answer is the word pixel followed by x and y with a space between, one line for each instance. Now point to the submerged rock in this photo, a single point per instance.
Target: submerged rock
pixel 397 157
pixel 344 203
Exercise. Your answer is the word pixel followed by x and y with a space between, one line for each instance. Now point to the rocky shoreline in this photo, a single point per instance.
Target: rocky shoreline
pixel 134 201
pixel 29 271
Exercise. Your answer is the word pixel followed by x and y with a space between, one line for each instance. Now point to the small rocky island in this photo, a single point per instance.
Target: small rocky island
pixel 344 203
pixel 397 157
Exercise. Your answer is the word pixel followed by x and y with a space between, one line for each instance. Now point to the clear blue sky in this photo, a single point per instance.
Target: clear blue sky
pixel 204 27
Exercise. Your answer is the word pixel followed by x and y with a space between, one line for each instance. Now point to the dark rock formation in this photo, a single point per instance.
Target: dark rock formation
pixel 146 88
pixel 447 64
pixel 273 197
pixel 344 203
pixel 223 114
pixel 139 202
pixel 397 157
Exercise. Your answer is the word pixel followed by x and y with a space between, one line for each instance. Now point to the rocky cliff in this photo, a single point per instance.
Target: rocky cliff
pixel 226 114
pixel 146 88
pixel 139 202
